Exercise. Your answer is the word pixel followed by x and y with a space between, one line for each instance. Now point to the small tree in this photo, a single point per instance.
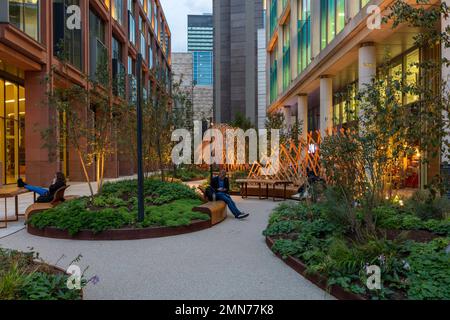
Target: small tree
pixel 88 116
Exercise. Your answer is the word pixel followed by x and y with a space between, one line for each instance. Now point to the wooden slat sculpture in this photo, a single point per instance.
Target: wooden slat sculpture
pixel 294 159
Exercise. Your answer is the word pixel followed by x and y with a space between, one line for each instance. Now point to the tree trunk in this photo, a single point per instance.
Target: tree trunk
pixel 86 175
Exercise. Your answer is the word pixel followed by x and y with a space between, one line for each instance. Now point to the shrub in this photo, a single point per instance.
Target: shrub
pixel 167 204
pixel 22 278
pixel 409 270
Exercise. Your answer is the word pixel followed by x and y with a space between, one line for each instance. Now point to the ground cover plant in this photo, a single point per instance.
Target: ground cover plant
pixel 24 277
pixel 167 204
pixel 189 173
pixel 412 266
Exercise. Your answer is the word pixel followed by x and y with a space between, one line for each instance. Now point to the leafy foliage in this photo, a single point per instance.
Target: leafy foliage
pixel 168 204
pixel 410 270
pixel 24 277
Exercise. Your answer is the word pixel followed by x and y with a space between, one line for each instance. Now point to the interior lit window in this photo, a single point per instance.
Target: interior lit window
pixel 24 14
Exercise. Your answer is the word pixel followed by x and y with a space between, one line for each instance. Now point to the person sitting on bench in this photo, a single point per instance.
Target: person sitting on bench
pixel 45 195
pixel 221 186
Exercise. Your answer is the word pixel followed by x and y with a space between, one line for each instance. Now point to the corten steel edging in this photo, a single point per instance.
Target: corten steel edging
pixel 120 234
pixel 319 280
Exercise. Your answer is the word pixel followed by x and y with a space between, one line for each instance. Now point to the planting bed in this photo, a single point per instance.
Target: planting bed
pixel 112 214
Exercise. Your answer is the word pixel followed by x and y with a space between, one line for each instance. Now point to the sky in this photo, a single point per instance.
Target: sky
pixel 176 12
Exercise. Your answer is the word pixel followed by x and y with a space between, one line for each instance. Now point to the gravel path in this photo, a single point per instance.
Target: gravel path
pixel 229 261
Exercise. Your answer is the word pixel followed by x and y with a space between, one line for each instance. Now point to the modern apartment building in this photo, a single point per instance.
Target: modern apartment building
pixel 321 52
pixel 200 43
pixel 31 33
pixel 236 24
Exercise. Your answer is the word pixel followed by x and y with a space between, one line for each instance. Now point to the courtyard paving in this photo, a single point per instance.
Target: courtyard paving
pixel 229 261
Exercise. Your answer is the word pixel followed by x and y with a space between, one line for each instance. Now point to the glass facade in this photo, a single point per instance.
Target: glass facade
pixel 273 15
pixel 345 108
pixel 203 68
pixel 12 131
pixel 304 34
pixel 200 43
pixel 273 75
pixel 286 55
pixel 332 20
pixel 24 14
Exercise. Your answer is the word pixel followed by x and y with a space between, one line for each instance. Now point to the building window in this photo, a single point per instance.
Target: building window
pixel 143 44
pixel 118 68
pixel 131 23
pixel 117 11
pixel 273 15
pixel 67 43
pixel 203 68
pixel 304 34
pixel 286 55
pixel 98 55
pixel 345 109
pixel 332 20
pixel 273 75
pixel 150 55
pixel 24 14
pixel 155 17
pixel 12 131
pixel 132 82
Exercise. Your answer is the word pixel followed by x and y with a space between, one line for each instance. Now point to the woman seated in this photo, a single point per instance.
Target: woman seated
pixel 45 195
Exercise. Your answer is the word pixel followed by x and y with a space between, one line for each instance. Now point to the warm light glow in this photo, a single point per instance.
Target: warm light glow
pixel 10 101
pixel 22 99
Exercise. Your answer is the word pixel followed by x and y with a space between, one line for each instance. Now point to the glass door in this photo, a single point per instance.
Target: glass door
pixel 12 131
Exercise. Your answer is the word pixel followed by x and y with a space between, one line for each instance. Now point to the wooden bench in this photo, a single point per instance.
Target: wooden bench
pixel 271 189
pixel 58 198
pixel 217 210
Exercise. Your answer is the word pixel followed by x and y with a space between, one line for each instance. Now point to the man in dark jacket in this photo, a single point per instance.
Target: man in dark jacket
pixel 221 187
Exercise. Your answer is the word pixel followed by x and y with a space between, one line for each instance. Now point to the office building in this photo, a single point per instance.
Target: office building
pixel 320 53
pixel 236 25
pixel 200 43
pixel 31 33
